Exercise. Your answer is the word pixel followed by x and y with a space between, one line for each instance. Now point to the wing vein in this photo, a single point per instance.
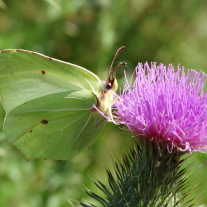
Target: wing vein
pixel 81 131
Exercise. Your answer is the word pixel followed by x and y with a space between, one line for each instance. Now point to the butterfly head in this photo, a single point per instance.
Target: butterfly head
pixel 111 82
pixel 110 86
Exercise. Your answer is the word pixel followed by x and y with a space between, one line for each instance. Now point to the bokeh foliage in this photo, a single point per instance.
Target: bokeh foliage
pixel 88 33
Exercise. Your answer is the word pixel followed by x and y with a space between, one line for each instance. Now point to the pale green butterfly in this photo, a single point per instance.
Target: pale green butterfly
pixel 48 104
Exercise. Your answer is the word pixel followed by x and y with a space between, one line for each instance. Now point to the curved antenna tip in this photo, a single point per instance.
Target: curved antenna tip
pixel 117 52
pixel 121 48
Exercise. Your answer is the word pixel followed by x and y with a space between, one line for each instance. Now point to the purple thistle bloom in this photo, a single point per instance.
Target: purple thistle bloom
pixel 166 105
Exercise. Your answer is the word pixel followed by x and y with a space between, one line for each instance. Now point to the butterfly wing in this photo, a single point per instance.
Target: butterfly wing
pixel 48 104
pixel 56 126
pixel 26 75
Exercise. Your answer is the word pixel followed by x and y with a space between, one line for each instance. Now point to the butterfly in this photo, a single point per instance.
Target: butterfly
pixel 47 105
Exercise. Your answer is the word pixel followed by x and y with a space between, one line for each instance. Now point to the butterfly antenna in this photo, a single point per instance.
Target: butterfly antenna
pixel 112 63
pixel 122 63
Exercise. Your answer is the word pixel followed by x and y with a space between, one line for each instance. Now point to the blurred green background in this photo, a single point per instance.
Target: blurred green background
pixel 88 33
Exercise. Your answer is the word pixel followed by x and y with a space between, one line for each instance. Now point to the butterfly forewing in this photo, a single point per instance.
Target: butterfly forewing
pixel 25 76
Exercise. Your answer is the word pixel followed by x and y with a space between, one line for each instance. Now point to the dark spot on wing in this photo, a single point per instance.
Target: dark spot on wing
pixel 44 121
pixel 43 72
pixel 30 131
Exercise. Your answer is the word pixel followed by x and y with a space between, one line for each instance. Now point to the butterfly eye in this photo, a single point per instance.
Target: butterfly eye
pixel 108 86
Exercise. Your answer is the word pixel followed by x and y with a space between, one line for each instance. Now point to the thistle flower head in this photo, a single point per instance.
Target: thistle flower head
pixel 166 105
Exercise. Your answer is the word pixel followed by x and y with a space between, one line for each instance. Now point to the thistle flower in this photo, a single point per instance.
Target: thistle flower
pixel 165 109
pixel 166 105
